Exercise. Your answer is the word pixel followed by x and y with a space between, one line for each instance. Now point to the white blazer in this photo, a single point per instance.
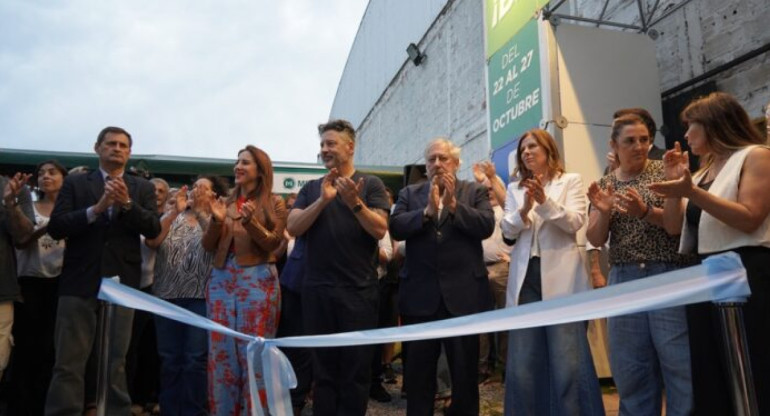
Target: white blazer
pixel 558 219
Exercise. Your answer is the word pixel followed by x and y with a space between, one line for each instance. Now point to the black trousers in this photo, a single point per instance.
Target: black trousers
pixel 709 373
pixel 341 374
pixel 33 355
pixel 420 375
pixel 388 317
pixel 142 361
pixel 301 358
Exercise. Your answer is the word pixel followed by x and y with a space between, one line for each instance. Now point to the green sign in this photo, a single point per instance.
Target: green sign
pixel 285 182
pixel 504 18
pixel 515 98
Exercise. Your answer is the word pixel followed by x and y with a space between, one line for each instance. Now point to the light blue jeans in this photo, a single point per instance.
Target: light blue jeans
pixel 650 350
pixel 549 370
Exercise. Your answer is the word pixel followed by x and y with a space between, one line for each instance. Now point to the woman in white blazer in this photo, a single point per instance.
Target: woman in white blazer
pixel 550 369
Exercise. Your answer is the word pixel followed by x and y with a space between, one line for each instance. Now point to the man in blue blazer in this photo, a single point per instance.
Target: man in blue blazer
pixel 101 214
pixel 443 222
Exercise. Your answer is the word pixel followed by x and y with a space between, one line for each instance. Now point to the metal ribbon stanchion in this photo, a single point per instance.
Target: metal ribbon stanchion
pixel 106 316
pixel 735 349
pixel 736 356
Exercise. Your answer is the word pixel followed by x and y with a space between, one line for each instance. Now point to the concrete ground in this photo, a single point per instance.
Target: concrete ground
pixel 491 394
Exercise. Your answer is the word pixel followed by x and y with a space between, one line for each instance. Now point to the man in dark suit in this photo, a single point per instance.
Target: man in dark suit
pixel 101 214
pixel 443 222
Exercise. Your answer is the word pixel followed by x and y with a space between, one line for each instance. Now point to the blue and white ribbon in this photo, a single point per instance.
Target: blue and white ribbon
pixel 719 278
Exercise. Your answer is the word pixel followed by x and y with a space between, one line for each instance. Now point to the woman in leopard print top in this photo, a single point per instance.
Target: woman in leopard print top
pixel 648 350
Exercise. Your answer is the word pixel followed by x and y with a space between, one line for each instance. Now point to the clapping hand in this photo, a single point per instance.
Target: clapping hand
pixel 433 199
pixel 675 162
pixel 631 203
pixel 218 209
pixel 601 200
pixel 478 173
pixel 14 187
pixel 107 199
pixel 349 190
pixel 328 190
pixel 528 203
pixel 248 209
pixel 535 188
pixel 448 197
pixel 117 190
pixel 678 188
pixel 484 170
pixel 180 199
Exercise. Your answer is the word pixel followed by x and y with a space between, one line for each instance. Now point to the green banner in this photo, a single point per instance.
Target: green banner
pixel 504 18
pixel 515 101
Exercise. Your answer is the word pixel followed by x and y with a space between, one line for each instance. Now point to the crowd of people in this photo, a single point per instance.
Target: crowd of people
pixel 345 255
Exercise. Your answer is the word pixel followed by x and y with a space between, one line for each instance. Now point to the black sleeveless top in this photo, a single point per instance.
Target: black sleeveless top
pixel 692 212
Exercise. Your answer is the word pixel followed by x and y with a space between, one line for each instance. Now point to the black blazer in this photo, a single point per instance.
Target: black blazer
pixel 107 247
pixel 444 259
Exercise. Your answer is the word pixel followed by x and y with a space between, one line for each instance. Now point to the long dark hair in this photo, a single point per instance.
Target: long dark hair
pixel 727 125
pixel 219 185
pixel 58 166
pixel 264 191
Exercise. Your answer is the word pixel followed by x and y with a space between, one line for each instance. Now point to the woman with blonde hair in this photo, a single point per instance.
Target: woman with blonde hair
pixel 549 369
pixel 724 206
pixel 243 293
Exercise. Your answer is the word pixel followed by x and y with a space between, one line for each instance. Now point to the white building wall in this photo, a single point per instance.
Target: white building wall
pixel 379 51
pixel 446 94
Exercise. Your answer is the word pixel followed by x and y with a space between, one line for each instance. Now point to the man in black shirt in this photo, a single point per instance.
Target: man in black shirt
pixel 341 216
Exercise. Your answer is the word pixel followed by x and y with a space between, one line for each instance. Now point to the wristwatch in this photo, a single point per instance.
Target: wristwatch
pixel 358 207
pixel 127 206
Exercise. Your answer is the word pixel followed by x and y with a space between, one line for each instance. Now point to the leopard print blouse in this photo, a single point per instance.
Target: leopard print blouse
pixel 633 240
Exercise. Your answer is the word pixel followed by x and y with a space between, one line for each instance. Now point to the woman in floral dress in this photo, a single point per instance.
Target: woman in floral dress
pixel 243 293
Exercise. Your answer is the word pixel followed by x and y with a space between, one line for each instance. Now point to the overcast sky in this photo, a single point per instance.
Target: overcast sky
pixel 192 78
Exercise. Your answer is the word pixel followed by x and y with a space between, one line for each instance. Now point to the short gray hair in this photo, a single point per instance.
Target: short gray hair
pixel 454 150
pixel 160 181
